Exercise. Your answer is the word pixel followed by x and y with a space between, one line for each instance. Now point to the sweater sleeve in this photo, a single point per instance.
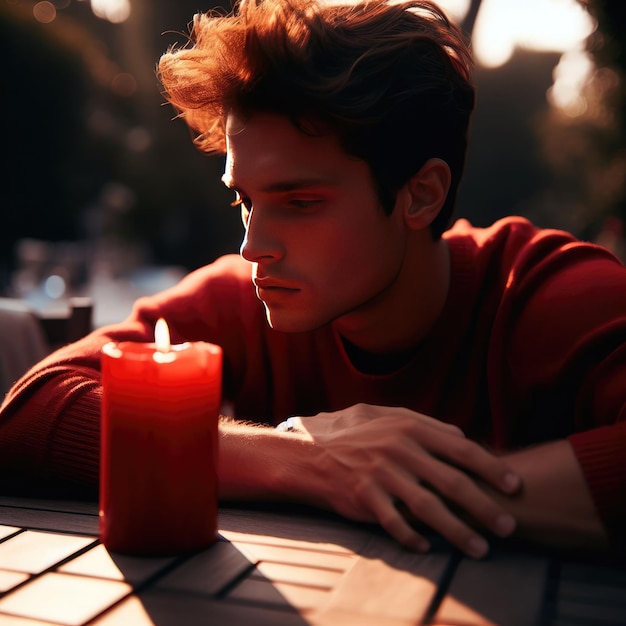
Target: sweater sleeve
pixel 601 453
pixel 50 419
pixel 567 359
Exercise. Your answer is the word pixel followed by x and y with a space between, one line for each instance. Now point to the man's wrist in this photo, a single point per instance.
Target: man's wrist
pixel 260 462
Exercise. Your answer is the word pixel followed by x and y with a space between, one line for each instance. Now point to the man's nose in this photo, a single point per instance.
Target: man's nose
pixel 260 241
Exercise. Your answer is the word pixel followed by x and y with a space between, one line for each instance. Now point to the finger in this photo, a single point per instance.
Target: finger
pixel 424 506
pixel 429 509
pixel 458 488
pixel 391 520
pixel 473 457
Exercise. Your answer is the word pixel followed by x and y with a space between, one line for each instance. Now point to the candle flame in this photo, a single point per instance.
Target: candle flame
pixel 162 336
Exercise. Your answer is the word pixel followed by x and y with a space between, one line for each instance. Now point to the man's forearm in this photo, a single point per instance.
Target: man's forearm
pixel 362 461
pixel 259 463
pixel 554 506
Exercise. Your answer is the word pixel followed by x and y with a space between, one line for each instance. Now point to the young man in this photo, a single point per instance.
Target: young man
pixel 469 380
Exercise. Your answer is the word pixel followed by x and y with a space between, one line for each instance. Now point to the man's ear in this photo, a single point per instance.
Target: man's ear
pixel 427 190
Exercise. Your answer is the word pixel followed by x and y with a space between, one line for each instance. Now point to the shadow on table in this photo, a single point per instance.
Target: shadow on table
pixel 381 582
pixel 219 585
pixel 287 565
pixel 520 584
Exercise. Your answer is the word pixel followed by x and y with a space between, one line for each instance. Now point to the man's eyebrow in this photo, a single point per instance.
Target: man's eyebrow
pixel 283 185
pixel 296 183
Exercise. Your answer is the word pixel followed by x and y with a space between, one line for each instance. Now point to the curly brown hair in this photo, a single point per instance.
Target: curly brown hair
pixel 392 80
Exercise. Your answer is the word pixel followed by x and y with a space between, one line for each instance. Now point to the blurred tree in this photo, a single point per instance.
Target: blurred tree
pixel 59 122
pixel 504 169
pixel 182 210
pixel 92 152
pixel 45 85
pixel 586 148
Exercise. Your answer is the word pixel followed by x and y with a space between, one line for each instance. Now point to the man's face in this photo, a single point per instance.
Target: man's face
pixel 320 245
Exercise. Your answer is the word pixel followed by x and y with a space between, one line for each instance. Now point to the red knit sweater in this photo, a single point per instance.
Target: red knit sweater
pixel 530 347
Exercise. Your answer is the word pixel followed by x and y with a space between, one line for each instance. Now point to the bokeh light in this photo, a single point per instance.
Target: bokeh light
pixel 544 25
pixel 54 287
pixel 45 12
pixel 455 9
pixel 115 11
pixel 124 85
pixel 572 73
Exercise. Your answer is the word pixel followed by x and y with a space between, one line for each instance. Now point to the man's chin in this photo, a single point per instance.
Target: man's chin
pixel 290 324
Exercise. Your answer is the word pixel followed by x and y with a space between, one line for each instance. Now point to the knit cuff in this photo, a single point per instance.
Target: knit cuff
pixel 601 453
pixel 76 447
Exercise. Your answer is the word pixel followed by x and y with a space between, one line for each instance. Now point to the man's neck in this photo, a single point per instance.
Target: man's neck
pixel 402 316
pixel 377 364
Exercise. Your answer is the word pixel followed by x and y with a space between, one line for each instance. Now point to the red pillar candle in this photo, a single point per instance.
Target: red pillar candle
pixel 159 446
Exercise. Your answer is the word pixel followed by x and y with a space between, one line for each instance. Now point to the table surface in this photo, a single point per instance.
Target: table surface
pixel 285 567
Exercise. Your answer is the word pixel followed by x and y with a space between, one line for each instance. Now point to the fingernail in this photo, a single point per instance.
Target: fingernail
pixel 477 547
pixel 511 481
pixel 505 525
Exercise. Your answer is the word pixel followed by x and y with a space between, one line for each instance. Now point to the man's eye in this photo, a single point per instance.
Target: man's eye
pixel 301 203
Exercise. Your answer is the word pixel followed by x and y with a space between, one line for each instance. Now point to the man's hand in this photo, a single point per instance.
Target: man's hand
pixel 379 460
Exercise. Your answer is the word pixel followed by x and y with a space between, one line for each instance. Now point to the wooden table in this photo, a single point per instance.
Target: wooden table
pixel 284 567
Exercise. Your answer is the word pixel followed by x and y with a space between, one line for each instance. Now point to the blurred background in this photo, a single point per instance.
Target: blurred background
pixel 103 193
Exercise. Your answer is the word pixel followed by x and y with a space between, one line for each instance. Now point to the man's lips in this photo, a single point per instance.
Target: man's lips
pixel 263 284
